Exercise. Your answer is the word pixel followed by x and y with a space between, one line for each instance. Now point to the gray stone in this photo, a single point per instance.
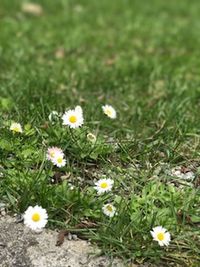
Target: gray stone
pixel 20 247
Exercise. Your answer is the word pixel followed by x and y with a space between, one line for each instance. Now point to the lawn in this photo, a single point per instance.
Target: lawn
pixel 141 57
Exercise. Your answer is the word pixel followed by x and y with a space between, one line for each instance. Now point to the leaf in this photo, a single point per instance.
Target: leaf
pixel 5 103
pixel 83 225
pixel 195 219
pixel 27 152
pixel 61 237
pixel 4 144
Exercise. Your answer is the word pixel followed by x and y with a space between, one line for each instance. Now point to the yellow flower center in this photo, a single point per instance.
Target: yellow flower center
pixel 36 217
pixel 160 236
pixel 104 185
pixel 108 112
pixel 73 119
pixel 60 160
pixel 52 154
pixel 109 208
pixel 16 129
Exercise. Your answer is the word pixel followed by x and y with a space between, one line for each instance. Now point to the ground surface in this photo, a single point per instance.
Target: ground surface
pixel 21 248
pixel 142 58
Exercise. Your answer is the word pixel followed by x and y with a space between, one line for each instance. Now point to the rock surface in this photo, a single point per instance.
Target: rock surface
pixel 20 247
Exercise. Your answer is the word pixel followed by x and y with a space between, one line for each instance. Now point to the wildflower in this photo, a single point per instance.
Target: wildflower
pixel 71 187
pixel 91 137
pixel 104 185
pixel 79 109
pixel 73 117
pixel 52 151
pixel 16 127
pixel 33 9
pixel 59 160
pixel 109 210
pixel 109 111
pixel 35 217
pixel 161 235
pixel 53 116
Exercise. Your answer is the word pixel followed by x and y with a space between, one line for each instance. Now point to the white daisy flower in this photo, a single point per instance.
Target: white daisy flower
pixel 16 127
pixel 73 117
pixel 52 151
pixel 79 109
pixel 59 160
pixel 35 217
pixel 109 111
pixel 91 137
pixel 161 235
pixel 53 116
pixel 109 210
pixel 104 185
pixel 33 9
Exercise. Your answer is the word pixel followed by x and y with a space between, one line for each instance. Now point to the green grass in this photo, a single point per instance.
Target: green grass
pixel 142 58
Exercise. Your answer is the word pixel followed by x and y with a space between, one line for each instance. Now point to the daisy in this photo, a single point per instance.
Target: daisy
pixel 73 117
pixel 59 160
pixel 161 235
pixel 79 109
pixel 91 137
pixel 53 116
pixel 52 151
pixel 35 217
pixel 104 185
pixel 16 127
pixel 109 210
pixel 33 9
pixel 109 111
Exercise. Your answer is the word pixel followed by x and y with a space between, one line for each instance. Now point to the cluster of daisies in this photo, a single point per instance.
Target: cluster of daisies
pixel 56 156
pixel 36 217
pixel 74 117
pixel 102 186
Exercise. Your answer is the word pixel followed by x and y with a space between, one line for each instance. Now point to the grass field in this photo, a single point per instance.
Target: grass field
pixel 141 57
